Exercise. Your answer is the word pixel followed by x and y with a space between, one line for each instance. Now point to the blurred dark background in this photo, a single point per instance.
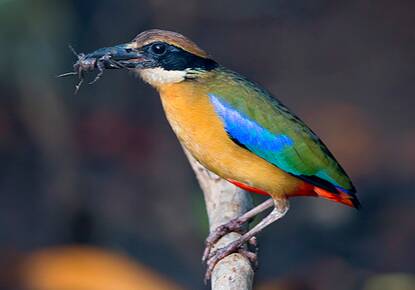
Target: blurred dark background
pixel 102 168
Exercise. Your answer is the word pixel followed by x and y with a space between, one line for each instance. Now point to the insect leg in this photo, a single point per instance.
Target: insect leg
pixel 81 80
pixel 100 66
pixel 67 74
pixel 78 86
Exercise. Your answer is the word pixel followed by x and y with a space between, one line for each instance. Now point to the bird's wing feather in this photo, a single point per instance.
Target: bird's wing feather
pixel 260 123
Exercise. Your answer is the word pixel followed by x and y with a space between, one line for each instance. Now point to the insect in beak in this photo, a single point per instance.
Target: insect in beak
pixel 116 57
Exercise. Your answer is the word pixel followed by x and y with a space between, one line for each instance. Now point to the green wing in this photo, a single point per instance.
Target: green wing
pixel 263 125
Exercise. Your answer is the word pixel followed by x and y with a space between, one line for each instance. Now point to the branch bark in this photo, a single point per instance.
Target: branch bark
pixel 224 202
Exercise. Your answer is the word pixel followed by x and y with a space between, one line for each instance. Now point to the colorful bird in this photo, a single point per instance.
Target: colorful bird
pixel 232 126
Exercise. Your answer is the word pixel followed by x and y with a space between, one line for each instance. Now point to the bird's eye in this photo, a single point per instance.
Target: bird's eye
pixel 158 48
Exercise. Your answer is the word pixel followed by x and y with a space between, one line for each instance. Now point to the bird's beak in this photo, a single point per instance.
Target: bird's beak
pixel 119 56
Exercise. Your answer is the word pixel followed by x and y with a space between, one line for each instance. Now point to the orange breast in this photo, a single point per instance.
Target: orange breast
pixel 199 129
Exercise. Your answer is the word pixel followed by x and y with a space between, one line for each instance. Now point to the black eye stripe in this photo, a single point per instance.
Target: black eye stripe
pixel 175 58
pixel 157 45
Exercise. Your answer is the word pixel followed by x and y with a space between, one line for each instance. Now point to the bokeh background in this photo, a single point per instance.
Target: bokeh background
pixel 95 191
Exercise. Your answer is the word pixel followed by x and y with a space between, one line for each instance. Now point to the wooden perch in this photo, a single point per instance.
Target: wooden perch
pixel 224 202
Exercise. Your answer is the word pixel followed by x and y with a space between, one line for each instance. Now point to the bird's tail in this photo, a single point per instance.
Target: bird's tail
pixel 341 196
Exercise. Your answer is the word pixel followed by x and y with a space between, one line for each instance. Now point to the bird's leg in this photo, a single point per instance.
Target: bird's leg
pixel 280 209
pixel 233 225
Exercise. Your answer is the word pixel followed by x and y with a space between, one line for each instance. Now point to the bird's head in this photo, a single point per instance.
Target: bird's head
pixel 159 57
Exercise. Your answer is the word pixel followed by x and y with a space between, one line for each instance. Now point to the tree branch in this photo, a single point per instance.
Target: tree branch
pixel 224 202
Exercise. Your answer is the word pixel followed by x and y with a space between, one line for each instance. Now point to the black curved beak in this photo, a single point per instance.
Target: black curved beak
pixel 119 56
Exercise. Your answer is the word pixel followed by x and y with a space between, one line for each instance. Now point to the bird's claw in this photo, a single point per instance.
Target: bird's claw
pixel 252 253
pixel 234 247
pixel 251 256
pixel 219 254
pixel 234 225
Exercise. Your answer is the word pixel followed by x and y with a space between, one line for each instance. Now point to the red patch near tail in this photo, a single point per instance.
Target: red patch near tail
pixel 340 196
pixel 308 189
pixel 248 188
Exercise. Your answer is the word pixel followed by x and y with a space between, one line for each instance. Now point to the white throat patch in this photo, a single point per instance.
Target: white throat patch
pixel 159 76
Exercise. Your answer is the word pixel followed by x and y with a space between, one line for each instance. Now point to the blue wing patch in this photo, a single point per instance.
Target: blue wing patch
pixel 248 132
pixel 276 148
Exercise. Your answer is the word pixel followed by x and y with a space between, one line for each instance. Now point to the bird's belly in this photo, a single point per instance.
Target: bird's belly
pixel 202 133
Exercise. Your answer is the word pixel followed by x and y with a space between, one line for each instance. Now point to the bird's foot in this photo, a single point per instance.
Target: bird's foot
pixel 234 225
pixel 234 247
